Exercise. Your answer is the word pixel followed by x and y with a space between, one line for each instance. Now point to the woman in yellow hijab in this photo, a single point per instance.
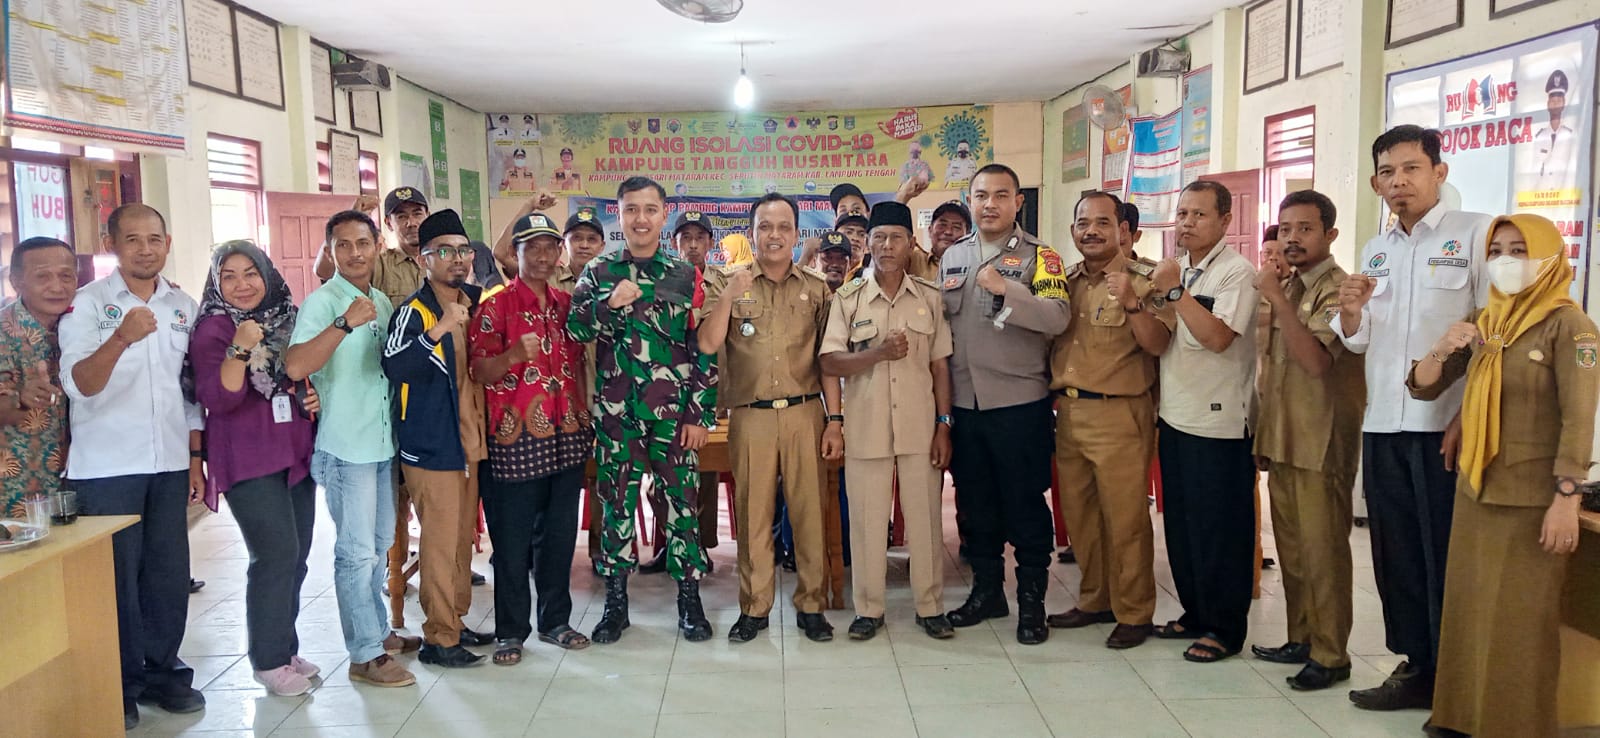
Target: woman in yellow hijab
pixel 1528 432
pixel 737 249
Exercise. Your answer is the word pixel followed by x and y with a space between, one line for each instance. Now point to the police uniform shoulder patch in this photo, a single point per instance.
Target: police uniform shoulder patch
pixel 1049 260
pixel 849 288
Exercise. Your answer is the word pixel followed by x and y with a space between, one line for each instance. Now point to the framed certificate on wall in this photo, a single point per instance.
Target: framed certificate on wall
pixel 1415 20
pixel 1266 45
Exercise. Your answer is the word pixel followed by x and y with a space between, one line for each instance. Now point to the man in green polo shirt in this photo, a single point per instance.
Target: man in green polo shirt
pixel 338 343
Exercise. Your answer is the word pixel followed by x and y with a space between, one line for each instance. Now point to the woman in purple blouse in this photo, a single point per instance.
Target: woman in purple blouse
pixel 258 446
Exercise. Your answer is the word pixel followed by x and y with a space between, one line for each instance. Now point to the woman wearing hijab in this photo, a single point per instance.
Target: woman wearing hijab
pixel 1528 431
pixel 258 438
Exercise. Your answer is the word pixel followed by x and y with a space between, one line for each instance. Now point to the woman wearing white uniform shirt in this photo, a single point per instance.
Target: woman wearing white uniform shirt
pixel 122 349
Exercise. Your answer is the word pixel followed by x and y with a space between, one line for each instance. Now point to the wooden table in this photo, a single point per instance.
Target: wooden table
pixel 59 675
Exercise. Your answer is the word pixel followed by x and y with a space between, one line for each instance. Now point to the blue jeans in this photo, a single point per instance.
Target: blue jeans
pixel 361 501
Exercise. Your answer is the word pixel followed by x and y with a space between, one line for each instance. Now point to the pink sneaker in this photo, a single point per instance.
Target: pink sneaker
pixel 303 667
pixel 284 681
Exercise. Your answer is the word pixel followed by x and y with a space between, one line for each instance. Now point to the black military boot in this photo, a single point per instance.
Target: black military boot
pixel 988 596
pixel 691 614
pixel 614 619
pixel 1031 626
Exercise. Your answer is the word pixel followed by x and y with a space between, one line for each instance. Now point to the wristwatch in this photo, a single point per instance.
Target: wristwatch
pixel 238 352
pixel 1566 488
pixel 342 324
pixel 948 421
pixel 834 419
pixel 1170 296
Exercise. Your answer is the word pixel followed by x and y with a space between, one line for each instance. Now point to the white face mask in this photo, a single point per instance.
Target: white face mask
pixel 521 162
pixel 1511 275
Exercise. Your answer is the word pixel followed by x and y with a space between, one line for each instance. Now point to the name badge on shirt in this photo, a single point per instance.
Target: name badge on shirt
pixel 282 412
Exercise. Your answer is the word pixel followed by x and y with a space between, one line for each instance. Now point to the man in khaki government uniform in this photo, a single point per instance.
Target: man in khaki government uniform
pixel 1103 370
pixel 1308 439
pixel 887 336
pixel 767 318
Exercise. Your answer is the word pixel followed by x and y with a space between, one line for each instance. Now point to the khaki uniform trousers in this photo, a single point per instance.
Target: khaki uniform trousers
pixel 763 444
pixel 869 485
pixel 1103 449
pixel 447 510
pixel 1311 520
pixel 833 533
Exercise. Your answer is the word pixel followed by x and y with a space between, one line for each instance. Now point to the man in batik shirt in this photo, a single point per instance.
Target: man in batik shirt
pixel 655 401
pixel 33 410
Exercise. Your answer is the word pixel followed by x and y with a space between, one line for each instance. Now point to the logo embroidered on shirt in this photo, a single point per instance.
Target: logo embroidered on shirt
pixel 1377 261
pixel 113 312
pixel 180 317
pixel 1451 248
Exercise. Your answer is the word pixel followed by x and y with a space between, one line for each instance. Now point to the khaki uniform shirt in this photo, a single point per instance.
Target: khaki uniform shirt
pixel 1548 389
pixel 397 275
pixel 1311 423
pixel 780 358
pixel 473 410
pixel 1007 366
pixel 892 410
pixel 1099 352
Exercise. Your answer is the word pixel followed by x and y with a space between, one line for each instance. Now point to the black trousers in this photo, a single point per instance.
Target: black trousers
pixel 276 522
pixel 1209 491
pixel 534 528
pixel 1001 468
pixel 151 562
pixel 1410 501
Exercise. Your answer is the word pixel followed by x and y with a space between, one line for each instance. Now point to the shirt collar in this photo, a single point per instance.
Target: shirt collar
pixel 874 290
pixel 347 288
pixel 25 317
pixel 1206 262
pixel 121 286
pixel 791 272
pixel 1310 277
pixel 1432 219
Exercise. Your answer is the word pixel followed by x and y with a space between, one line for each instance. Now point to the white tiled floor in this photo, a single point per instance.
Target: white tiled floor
pixel 982 683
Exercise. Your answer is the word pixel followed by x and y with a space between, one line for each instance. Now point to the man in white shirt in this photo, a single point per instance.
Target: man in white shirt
pixel 1207 382
pixel 136 448
pixel 1421 274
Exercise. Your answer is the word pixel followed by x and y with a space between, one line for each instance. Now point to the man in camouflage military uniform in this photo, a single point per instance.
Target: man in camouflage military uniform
pixel 655 399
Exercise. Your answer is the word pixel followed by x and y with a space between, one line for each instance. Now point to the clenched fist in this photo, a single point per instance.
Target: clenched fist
pixel 991 280
pixel 1268 283
pixel 360 312
pixel 542 200
pixel 1355 293
pixel 895 346
pixel 525 348
pixel 1167 275
pixel 455 315
pixel 247 335
pixel 1120 286
pixel 741 281
pixel 138 323
pixel 624 294
pixel 1459 336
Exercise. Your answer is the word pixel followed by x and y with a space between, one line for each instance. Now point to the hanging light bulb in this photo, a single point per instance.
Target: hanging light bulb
pixel 744 91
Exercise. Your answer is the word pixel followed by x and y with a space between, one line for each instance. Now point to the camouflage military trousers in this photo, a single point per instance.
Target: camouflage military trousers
pixel 625 450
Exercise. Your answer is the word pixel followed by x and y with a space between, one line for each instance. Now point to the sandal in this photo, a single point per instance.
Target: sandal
pixel 565 637
pixel 1212 654
pixel 507 652
pixel 1172 631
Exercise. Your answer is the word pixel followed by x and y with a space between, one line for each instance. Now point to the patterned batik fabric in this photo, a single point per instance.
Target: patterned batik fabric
pixel 539 421
pixel 651 380
pixel 35 450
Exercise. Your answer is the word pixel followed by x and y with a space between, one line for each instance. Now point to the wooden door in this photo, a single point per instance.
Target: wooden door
pixel 1244 233
pixel 295 223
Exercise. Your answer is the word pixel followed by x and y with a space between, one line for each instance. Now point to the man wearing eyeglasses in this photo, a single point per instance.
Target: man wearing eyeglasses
pixel 440 432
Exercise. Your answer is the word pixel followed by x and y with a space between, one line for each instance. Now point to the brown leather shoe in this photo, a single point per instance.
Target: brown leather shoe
pixel 1076 618
pixel 383 671
pixel 1128 636
pixel 397 644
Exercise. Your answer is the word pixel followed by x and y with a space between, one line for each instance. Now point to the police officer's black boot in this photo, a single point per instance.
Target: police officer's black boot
pixel 988 596
pixel 1031 627
pixel 614 619
pixel 691 614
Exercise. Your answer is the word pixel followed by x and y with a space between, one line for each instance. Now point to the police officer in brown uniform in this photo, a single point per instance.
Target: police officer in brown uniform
pixel 887 337
pixel 1103 370
pixel 1005 295
pixel 1308 440
pixel 768 318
